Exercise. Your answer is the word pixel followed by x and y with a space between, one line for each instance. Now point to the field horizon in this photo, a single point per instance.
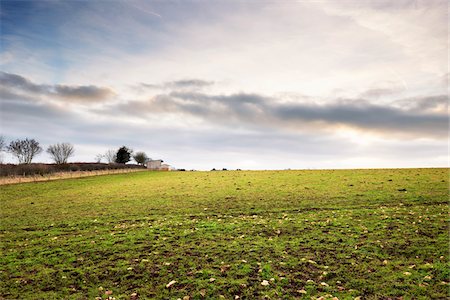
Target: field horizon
pixel 277 234
pixel 14 179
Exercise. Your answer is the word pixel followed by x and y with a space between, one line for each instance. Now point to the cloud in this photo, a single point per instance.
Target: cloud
pixel 248 130
pixel 7 94
pixel 188 83
pixel 419 118
pixel 89 92
pixel 437 104
pixel 369 117
pixel 198 147
pixel 379 92
pixel 183 84
pixel 13 86
pixel 8 80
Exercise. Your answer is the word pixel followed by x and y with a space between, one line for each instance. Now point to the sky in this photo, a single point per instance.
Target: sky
pixel 230 84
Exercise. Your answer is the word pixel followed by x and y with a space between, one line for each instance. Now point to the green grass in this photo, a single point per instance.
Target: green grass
pixel 345 234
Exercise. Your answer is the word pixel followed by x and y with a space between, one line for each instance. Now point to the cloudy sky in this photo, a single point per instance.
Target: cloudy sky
pixel 235 84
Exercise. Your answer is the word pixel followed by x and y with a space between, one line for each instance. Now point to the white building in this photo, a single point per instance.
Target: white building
pixel 157 165
pixel 165 167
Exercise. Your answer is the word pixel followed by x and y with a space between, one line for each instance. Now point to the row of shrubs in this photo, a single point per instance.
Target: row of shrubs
pixel 43 169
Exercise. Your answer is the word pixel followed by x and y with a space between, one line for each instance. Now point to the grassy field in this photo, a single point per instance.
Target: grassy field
pixel 373 234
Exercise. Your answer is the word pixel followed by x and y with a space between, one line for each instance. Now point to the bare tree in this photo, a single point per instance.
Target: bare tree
pixel 2 147
pixel 99 157
pixel 2 143
pixel 140 157
pixel 24 150
pixel 111 156
pixel 61 152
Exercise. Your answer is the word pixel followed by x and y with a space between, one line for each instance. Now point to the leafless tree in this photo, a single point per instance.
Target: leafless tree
pixel 61 152
pixel 110 156
pixel 24 150
pixel 99 157
pixel 140 157
pixel 2 143
pixel 2 147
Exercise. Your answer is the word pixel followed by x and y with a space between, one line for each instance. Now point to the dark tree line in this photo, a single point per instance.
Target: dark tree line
pixel 24 150
pixel 125 154
pixel 122 156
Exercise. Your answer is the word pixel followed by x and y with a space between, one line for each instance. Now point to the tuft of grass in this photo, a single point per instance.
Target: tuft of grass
pixel 348 233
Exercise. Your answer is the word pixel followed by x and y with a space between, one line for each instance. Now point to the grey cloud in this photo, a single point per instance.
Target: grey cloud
pixel 31 112
pixel 368 117
pixel 196 147
pixel 16 86
pixel 7 94
pixel 379 92
pixel 254 111
pixel 89 92
pixel 230 110
pixel 240 98
pixel 8 80
pixel 150 86
pixel 189 83
pixel 184 84
pixel 183 147
pixel 435 103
